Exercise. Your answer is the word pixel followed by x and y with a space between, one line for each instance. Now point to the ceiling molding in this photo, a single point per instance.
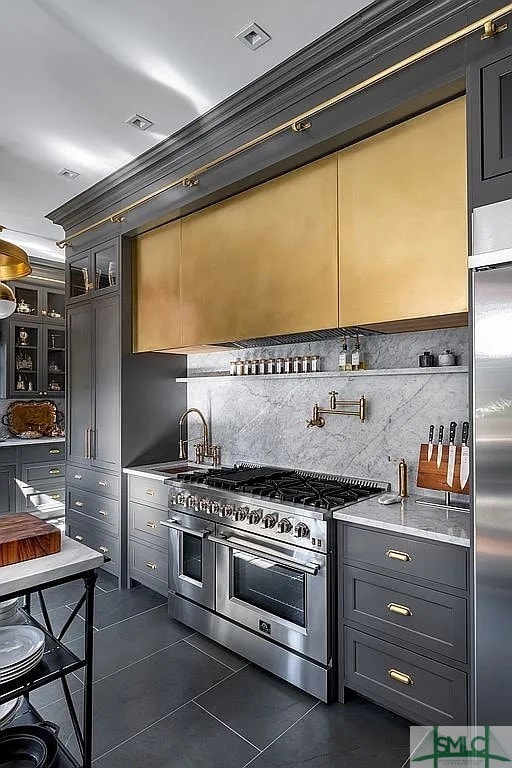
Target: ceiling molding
pixel 308 77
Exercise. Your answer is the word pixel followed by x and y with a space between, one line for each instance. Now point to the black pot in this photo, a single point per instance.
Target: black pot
pixel 29 746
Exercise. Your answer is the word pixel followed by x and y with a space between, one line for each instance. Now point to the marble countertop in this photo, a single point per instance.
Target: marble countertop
pixel 427 522
pixel 14 441
pixel 73 558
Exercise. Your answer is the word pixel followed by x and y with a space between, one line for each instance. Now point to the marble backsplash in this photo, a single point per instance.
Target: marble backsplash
pixel 264 420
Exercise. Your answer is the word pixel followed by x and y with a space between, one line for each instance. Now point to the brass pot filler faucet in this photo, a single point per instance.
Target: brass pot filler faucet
pixel 338 407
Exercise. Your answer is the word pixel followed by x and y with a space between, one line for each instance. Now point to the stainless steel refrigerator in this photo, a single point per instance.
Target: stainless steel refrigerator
pixel 491 280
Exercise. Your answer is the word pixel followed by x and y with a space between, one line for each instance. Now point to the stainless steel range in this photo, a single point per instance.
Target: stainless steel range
pixel 251 564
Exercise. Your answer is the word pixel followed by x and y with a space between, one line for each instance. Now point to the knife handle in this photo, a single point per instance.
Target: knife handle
pixel 465 433
pixel 453 431
pixel 431 434
pixel 441 434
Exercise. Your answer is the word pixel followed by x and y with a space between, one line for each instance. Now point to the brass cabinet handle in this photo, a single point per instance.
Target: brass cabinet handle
pixel 55 496
pixel 102 512
pixel 54 472
pixel 400 677
pixel 402 610
pixel 103 549
pixel 150 524
pixel 102 483
pixel 151 566
pixel 79 538
pixel 55 451
pixel 79 504
pixel 78 477
pixel 394 554
pixel 150 492
pixel 90 431
pixel 86 446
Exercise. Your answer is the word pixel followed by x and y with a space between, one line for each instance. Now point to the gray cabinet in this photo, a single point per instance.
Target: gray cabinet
pixel 106 374
pixel 41 476
pixel 148 555
pixel 7 476
pixel 403 620
pixel 78 416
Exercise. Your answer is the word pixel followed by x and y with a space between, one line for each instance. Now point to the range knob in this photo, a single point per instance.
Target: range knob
pixel 173 499
pixel 192 501
pixel 269 521
pixel 181 499
pixel 255 516
pixel 301 531
pixel 284 526
pixel 226 511
pixel 240 513
pixel 214 507
pixel 204 505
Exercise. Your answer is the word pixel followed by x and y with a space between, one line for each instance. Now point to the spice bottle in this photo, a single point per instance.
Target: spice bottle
pixel 343 359
pixel 358 361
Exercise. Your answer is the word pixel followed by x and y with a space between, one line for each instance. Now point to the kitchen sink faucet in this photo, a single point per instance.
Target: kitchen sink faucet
pixel 204 449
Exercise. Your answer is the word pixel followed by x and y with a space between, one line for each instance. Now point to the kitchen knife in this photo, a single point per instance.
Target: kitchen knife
pixel 451 453
pixel 430 441
pixel 464 457
pixel 440 446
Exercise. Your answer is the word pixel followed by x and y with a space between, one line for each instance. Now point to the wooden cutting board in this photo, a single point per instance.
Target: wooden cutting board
pixel 25 537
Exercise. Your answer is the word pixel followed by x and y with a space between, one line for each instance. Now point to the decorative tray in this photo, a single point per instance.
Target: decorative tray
pixel 31 419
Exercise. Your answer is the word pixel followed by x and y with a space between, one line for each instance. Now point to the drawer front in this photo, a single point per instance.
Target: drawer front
pixel 7 455
pixel 48 471
pixel 93 480
pixel 49 499
pixel 149 565
pixel 145 524
pixel 443 564
pixel 81 529
pixel 34 454
pixel 147 491
pixel 414 686
pixel 433 620
pixel 103 510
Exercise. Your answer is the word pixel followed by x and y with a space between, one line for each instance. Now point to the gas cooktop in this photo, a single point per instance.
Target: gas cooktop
pixel 306 488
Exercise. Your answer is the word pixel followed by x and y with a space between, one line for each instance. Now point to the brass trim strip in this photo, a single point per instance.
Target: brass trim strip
pixel 303 121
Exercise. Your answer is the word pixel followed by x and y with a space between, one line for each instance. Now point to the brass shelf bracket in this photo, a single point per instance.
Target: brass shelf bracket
pixel 338 408
pixel 301 125
pixel 491 29
pixel 190 181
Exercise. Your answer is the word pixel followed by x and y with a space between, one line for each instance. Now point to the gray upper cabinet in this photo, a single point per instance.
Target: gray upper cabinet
pixel 93 272
pixel 106 421
pixel 497 117
pixel 79 406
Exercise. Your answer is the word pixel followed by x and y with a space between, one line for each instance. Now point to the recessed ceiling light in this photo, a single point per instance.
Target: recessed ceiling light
pixel 142 123
pixel 67 173
pixel 253 36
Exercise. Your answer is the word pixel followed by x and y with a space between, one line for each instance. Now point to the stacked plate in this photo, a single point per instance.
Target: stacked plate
pixel 21 648
pixel 8 610
pixel 8 711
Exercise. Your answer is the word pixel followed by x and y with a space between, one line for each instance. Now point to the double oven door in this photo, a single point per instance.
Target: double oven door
pixel 191 558
pixel 276 590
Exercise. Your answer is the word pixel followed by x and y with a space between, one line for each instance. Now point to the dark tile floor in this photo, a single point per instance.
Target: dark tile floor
pixel 166 697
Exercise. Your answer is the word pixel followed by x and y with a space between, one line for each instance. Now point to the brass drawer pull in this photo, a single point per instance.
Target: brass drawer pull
pixel 55 496
pixel 150 492
pixel 78 477
pixel 54 472
pixel 402 610
pixel 103 549
pixel 150 524
pixel 79 538
pixel 102 512
pixel 151 566
pixel 78 504
pixel 102 483
pixel 54 452
pixel 394 554
pixel 400 677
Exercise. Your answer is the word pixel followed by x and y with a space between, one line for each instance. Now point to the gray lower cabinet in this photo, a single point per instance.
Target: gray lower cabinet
pixel 32 479
pixel 403 619
pixel 7 475
pixel 97 537
pixel 148 555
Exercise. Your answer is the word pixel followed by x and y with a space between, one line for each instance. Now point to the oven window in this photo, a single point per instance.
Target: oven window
pixel 191 550
pixel 273 588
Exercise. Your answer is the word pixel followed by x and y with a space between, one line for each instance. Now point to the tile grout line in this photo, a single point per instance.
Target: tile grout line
pixel 282 734
pixel 213 657
pixel 226 726
pixel 115 623
pixel 172 712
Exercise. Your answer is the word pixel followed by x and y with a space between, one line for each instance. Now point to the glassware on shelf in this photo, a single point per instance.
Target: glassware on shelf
pixel 23 337
pixel 112 273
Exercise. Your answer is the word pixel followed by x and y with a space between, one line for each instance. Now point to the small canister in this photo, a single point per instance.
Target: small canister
pixel 271 365
pixel 232 368
pixel 306 364
pixel 297 364
pixel 279 365
pixel 315 364
pixel 288 364
pixel 254 367
pixel 247 367
pixel 447 358
pixel 426 360
pixel 239 367
pixel 262 366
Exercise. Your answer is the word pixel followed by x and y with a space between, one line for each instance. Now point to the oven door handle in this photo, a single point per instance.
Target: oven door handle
pixel 175 525
pixel 253 549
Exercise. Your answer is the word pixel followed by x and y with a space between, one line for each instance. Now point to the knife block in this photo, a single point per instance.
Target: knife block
pixel 429 476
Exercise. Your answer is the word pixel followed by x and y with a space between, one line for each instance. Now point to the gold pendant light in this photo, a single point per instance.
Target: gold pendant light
pixel 14 262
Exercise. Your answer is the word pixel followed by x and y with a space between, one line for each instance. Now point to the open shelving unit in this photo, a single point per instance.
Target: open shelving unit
pixel 223 376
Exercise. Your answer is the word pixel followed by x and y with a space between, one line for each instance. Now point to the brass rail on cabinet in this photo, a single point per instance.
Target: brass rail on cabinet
pixel 487 25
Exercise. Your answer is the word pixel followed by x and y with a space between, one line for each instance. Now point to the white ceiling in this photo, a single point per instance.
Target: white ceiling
pixel 72 72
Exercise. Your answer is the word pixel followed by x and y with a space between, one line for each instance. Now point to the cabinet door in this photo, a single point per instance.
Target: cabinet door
pixel 107 383
pixel 7 493
pixel 496 84
pixel 264 262
pixel 104 264
pixel 403 221
pixel 79 278
pixel 54 361
pixel 26 360
pixel 79 359
pixel 156 258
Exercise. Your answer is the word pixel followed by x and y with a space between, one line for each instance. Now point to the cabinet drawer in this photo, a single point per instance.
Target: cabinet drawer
pixel 47 471
pixel 433 620
pixel 408 558
pixel 145 523
pixel 33 454
pixel 93 480
pixel 103 510
pixel 149 565
pixel 46 502
pixel 81 529
pixel 149 491
pixel 7 455
pixel 414 686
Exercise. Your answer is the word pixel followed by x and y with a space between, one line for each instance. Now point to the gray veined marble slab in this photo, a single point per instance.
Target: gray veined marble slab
pixel 12 442
pixel 412 519
pixel 73 558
